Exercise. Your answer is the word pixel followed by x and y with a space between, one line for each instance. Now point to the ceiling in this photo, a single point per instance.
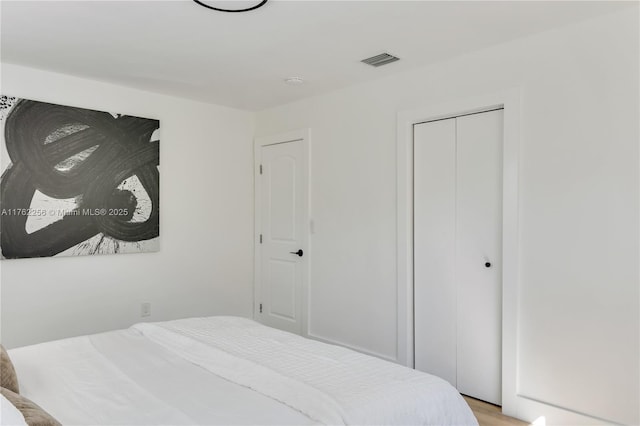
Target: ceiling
pixel 241 59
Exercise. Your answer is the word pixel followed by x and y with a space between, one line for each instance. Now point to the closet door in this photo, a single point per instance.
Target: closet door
pixel 457 252
pixel 479 255
pixel 434 248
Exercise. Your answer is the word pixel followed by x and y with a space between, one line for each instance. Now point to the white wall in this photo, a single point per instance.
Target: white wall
pixel 205 262
pixel 578 327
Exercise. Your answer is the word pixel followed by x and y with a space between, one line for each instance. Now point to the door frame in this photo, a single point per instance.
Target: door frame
pixel 304 137
pixel 509 100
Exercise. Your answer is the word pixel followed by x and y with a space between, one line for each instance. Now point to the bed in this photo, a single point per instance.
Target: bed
pixel 225 371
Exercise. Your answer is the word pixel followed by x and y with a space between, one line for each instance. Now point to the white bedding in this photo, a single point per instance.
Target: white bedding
pixel 226 370
pixel 9 415
pixel 122 378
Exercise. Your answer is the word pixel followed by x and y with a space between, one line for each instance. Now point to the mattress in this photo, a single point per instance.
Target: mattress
pixel 225 371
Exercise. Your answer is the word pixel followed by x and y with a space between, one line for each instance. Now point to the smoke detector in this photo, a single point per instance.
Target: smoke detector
pixel 294 81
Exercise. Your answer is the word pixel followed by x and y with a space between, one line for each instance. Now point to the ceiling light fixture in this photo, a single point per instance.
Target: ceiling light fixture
pixel 220 9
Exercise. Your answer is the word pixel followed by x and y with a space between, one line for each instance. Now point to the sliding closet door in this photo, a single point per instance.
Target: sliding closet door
pixel 479 255
pixel 434 248
pixel 457 252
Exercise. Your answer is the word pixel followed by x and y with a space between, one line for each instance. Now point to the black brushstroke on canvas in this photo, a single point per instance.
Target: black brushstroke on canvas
pixel 124 149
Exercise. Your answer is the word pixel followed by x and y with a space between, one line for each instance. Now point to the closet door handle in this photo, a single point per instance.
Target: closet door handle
pixel 487 264
pixel 299 252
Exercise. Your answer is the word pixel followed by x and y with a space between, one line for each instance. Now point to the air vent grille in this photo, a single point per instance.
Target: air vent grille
pixel 380 60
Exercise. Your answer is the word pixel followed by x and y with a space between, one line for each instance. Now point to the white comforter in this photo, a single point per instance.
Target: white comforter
pixel 227 370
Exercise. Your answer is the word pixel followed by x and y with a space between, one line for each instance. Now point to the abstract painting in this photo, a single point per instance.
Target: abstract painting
pixel 77 181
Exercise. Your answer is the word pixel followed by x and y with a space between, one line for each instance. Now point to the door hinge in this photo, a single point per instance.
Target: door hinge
pixel 260 238
pixel 260 168
pixel 261 308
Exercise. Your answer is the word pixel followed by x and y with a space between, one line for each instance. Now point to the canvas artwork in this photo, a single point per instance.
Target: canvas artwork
pixel 77 181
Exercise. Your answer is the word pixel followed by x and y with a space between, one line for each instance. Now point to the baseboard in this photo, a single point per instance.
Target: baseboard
pixel 540 413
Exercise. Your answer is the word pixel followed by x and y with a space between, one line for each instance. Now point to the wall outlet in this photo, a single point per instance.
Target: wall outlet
pixel 145 309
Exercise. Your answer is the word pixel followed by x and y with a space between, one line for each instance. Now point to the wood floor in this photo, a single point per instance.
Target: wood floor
pixel 490 415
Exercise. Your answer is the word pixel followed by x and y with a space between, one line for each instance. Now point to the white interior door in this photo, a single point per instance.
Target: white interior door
pixel 282 240
pixel 434 248
pixel 479 255
pixel 458 252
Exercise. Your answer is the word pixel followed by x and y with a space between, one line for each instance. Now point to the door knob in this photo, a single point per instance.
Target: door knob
pixel 299 252
pixel 487 265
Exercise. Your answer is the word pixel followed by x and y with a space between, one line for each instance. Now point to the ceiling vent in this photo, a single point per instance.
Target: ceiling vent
pixel 380 60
